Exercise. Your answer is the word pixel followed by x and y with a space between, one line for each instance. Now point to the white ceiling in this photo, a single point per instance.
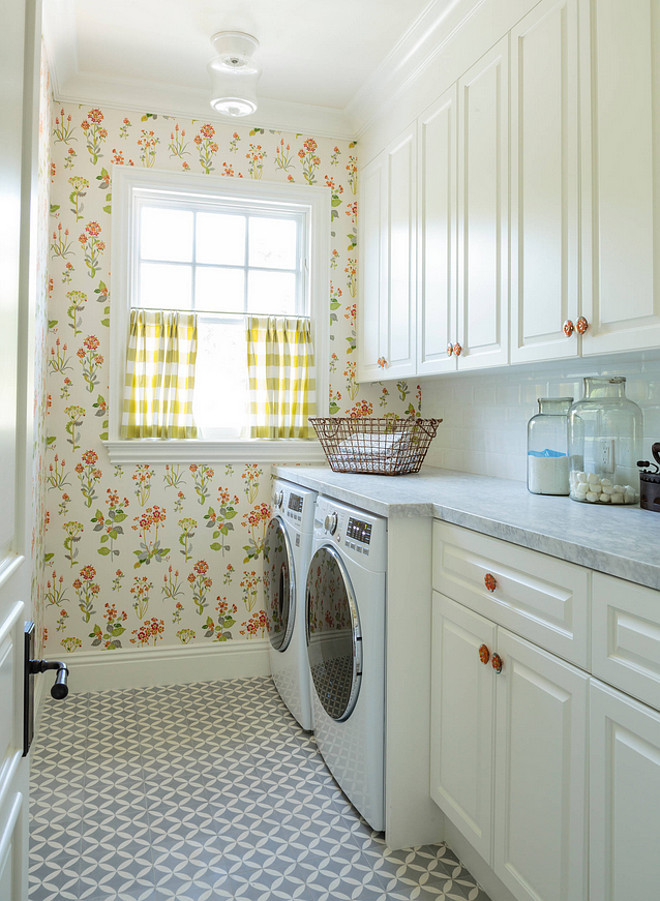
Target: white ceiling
pixel 317 56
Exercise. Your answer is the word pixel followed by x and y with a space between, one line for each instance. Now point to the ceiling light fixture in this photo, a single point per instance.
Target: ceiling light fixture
pixel 234 74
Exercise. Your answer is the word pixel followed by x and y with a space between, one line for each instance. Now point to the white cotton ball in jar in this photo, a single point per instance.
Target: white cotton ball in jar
pixel 606 483
pixel 617 497
pixel 592 497
pixel 580 491
pixel 607 489
pixel 618 489
pixel 629 494
pixel 593 479
pixel 605 498
pixel 581 476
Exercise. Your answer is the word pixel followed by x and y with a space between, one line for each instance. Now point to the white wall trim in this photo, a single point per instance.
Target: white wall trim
pixel 257 450
pixel 408 59
pixel 129 186
pixel 143 667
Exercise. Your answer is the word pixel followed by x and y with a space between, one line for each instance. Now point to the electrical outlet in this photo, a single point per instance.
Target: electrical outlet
pixel 606 461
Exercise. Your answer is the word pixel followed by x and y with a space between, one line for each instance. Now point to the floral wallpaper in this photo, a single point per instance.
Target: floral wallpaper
pixel 156 555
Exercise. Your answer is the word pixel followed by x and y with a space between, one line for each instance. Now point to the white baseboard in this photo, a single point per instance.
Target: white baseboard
pixel 142 667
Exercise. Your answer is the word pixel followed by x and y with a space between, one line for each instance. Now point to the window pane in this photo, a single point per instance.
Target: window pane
pixel 166 234
pixel 166 287
pixel 220 400
pixel 272 293
pixel 220 239
pixel 220 289
pixel 273 243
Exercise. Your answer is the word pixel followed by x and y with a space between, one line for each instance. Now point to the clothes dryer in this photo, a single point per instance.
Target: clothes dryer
pixel 345 601
pixel 286 557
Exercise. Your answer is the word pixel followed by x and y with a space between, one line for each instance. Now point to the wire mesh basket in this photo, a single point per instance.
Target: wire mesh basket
pixel 386 447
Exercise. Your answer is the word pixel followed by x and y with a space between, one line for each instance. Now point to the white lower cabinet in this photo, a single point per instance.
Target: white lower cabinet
pixel 551 774
pixel 508 753
pixel 624 859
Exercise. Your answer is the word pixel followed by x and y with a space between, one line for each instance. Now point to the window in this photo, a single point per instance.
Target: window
pixel 224 249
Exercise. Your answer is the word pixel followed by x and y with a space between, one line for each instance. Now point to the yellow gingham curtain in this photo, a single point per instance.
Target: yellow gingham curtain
pixel 281 384
pixel 160 375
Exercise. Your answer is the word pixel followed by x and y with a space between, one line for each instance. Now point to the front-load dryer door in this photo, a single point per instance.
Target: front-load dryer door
pixel 334 640
pixel 280 584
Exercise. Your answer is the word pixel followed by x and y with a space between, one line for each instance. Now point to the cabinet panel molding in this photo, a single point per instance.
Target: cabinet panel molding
pixel 483 210
pixel 544 182
pixel 624 787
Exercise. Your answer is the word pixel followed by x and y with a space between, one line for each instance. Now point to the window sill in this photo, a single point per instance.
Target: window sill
pixel 259 450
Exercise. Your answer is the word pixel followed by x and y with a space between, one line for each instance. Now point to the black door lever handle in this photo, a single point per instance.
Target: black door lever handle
pixel 60 689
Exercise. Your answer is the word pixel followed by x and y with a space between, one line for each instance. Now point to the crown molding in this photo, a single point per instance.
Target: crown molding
pixel 408 59
pixel 174 100
pixel 403 65
pixel 70 85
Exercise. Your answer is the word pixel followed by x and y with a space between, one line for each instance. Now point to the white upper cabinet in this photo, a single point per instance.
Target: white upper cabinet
pixel 535 193
pixel 544 182
pixel 373 271
pixel 483 205
pixel 437 143
pixel 621 230
pixel 387 312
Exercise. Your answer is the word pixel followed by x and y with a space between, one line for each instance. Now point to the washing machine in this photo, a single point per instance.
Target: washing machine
pixel 345 601
pixel 286 556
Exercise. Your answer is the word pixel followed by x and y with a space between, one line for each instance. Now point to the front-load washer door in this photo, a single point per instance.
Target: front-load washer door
pixel 334 640
pixel 280 584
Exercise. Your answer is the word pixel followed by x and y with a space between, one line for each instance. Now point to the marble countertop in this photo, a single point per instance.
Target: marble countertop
pixel 621 541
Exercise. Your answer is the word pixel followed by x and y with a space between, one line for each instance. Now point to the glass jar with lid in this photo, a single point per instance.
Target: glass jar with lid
pixel 605 442
pixel 547 447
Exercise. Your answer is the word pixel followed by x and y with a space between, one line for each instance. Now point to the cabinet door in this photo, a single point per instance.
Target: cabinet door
pixel 544 182
pixel 624 792
pixel 540 796
pixel 437 237
pixel 462 705
pixel 373 271
pixel 400 352
pixel 483 203
pixel 621 288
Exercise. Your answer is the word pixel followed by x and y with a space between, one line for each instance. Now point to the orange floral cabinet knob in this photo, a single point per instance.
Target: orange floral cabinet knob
pixel 582 325
pixel 496 663
pixel 484 654
pixel 450 350
pixel 490 582
pixel 458 350
pixel 382 362
pixel 569 328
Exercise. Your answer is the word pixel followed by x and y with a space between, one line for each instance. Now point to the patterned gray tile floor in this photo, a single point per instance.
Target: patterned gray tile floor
pixel 206 791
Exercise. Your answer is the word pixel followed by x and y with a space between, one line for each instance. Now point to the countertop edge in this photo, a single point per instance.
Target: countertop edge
pixel 363 491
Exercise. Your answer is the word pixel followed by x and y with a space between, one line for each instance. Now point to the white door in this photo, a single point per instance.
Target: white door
pixel 16 44
pixel 621 240
pixel 483 211
pixel 540 796
pixel 544 182
pixel 624 792
pixel 462 714
pixel 437 146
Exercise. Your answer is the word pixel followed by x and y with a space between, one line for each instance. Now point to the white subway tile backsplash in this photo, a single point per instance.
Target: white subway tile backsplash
pixel 486 414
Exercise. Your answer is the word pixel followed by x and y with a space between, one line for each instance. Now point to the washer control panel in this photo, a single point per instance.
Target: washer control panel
pixel 357 530
pixel 361 535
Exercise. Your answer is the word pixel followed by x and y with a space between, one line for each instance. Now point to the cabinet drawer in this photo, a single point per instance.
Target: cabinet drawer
pixel 536 596
pixel 626 637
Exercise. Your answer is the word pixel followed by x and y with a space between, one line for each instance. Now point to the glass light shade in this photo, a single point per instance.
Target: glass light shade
pixel 234 91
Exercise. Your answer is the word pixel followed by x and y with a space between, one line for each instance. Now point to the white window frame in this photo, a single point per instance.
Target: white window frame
pixel 129 188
